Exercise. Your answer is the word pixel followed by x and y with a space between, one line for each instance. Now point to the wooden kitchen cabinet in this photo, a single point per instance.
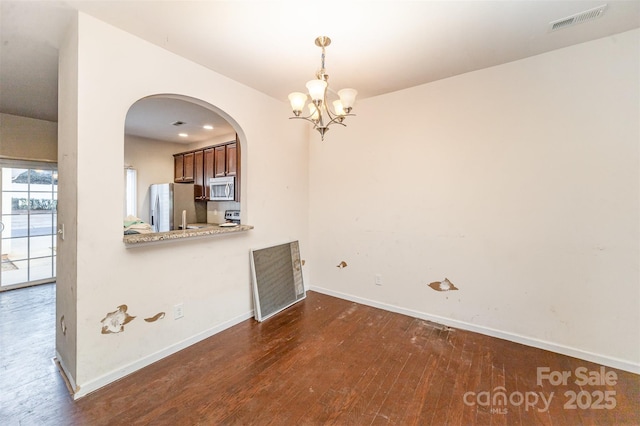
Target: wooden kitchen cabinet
pixel 183 167
pixel 188 167
pixel 198 175
pixel 178 165
pixel 235 167
pixel 220 166
pixel 232 161
pixel 208 169
pixel 226 160
pixel 209 162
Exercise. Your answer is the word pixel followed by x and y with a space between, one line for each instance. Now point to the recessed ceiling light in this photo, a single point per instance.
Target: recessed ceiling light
pixel 183 135
pixel 207 127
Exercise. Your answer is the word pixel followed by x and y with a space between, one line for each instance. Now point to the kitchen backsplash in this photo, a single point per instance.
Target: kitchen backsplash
pixel 216 209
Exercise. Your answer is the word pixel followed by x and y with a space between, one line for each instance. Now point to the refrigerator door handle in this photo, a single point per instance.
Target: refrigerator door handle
pixel 155 213
pixel 158 218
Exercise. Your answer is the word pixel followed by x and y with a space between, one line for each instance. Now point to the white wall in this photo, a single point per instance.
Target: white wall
pixel 153 161
pixel 209 276
pixel 28 139
pixel 519 183
pixel 67 248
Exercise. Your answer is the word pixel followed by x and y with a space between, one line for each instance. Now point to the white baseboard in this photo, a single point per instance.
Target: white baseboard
pixel 112 376
pixel 517 338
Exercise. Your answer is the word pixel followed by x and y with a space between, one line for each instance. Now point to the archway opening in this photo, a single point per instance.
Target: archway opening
pixel 180 140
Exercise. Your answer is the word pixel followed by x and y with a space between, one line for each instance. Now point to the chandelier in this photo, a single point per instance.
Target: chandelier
pixel 320 114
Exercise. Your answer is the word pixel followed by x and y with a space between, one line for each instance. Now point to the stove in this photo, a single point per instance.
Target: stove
pixel 232 216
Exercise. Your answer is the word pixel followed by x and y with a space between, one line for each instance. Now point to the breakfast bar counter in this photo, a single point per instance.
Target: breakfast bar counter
pixel 192 231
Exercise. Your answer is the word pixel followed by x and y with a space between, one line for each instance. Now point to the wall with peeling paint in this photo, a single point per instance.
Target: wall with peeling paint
pixel 519 183
pixel 106 71
pixel 66 259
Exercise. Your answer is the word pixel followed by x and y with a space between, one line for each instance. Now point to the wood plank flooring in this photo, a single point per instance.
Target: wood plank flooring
pixel 322 361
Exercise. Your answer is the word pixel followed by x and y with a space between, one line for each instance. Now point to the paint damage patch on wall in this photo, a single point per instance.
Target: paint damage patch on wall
pixel 341 265
pixel 156 317
pixel 115 321
pixel 444 285
pixel 63 326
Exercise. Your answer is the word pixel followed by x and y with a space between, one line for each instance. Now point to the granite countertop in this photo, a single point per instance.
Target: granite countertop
pixel 192 231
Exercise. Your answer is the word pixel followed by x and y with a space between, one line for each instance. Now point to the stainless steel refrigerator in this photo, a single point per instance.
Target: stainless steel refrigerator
pixel 167 201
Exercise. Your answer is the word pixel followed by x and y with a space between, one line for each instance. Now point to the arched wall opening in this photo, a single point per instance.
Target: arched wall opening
pixel 161 125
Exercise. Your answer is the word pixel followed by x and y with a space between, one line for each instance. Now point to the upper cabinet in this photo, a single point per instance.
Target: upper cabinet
pixel 198 175
pixel 183 166
pixel 203 164
pixel 232 160
pixel 208 173
pixel 226 160
pixel 220 167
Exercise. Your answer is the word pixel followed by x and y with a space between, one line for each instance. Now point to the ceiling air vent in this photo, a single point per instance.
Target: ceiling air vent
pixel 587 15
pixel 178 123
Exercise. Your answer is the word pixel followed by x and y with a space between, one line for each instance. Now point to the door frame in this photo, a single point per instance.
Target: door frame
pixel 30 165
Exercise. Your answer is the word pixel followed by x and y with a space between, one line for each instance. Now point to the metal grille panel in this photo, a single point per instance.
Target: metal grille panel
pixel 277 279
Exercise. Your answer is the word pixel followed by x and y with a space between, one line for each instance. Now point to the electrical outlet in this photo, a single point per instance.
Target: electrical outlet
pixel 178 311
pixel 378 279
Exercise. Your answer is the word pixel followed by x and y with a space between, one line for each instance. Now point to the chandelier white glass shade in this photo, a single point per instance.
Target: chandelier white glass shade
pixel 320 113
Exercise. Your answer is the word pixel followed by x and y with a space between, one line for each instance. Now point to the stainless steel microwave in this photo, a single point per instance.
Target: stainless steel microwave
pixel 222 188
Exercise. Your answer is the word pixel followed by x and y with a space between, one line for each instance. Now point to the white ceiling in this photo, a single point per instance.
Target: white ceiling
pixel 157 117
pixel 378 46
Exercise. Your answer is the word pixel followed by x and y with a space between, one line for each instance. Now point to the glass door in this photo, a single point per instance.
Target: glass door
pixel 29 217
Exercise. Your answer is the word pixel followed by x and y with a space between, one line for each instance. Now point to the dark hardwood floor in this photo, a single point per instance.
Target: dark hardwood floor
pixel 322 361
